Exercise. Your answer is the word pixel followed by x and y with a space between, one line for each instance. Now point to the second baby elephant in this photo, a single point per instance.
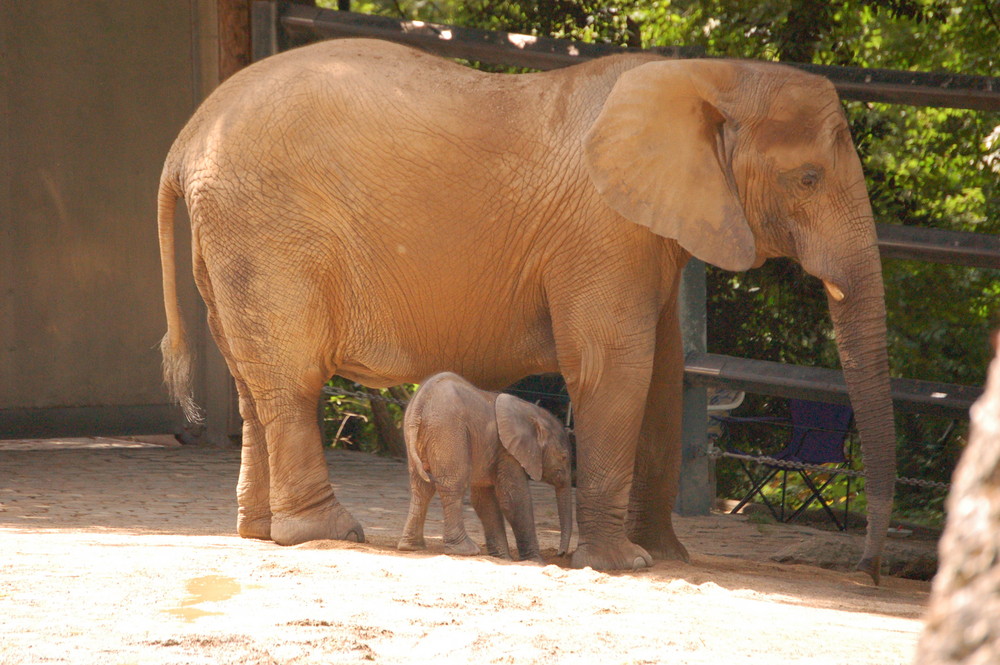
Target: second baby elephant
pixel 459 437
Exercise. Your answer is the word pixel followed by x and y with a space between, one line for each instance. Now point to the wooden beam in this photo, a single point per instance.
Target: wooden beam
pixel 234 36
pixel 235 50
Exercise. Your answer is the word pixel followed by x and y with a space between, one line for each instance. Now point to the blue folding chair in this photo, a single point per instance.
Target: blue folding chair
pixel 819 435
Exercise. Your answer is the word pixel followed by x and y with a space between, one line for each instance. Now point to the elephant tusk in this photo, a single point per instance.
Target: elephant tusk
pixel 834 291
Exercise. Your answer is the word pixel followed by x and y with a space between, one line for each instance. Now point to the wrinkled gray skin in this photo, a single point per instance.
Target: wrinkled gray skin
pixel 460 438
pixel 364 209
pixel 963 621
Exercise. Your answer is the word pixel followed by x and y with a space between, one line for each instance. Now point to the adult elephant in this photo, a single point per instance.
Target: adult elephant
pixel 364 209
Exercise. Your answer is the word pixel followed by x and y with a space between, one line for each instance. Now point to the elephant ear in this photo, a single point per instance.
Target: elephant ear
pixel 659 156
pixel 519 433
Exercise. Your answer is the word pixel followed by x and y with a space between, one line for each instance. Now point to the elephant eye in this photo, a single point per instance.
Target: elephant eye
pixel 809 178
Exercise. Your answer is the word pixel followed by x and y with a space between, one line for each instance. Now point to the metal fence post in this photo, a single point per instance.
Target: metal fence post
pixel 264 29
pixel 697 486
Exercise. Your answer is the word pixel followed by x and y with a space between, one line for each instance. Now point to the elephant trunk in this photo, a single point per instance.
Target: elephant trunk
pixel 857 307
pixel 564 501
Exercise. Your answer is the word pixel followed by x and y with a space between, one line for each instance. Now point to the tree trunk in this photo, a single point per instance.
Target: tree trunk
pixel 808 20
pixel 962 622
pixel 390 436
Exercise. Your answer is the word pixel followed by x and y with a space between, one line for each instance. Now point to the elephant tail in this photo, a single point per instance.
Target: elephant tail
pixel 177 359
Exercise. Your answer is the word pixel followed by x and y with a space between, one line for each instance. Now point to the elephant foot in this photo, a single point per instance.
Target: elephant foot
pixel 464 548
pixel 664 547
pixel 620 555
pixel 328 523
pixel 531 555
pixel 411 544
pixel 258 528
pixel 872 566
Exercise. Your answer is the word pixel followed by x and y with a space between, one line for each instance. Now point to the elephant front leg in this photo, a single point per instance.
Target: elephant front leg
pixel 608 418
pixel 658 458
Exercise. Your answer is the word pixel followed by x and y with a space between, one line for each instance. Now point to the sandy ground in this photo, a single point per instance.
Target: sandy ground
pixel 122 552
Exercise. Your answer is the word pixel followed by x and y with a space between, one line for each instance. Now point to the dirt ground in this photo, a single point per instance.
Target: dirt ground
pixel 124 552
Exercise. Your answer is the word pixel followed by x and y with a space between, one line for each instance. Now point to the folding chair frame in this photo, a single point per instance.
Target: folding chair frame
pixel 816 493
pixel 775 467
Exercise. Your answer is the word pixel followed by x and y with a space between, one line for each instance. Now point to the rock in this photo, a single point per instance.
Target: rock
pixel 963 620
pixel 840 552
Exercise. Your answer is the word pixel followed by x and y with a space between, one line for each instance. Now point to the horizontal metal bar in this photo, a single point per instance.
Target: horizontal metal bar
pixel 264 20
pixel 302 23
pixel 960 91
pixel 821 384
pixel 979 250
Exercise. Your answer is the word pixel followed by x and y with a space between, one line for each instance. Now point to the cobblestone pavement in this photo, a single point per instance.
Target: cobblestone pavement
pixel 154 485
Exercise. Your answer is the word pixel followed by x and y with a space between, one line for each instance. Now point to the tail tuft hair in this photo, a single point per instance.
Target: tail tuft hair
pixel 177 371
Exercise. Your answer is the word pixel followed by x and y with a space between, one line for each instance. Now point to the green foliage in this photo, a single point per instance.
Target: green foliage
pixel 583 20
pixel 347 419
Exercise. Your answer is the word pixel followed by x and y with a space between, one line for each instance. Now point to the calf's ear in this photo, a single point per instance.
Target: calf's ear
pixel 519 435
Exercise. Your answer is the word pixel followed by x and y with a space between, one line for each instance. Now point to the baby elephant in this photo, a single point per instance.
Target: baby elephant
pixel 458 436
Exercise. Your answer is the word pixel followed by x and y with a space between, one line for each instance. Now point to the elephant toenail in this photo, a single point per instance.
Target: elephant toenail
pixel 638 563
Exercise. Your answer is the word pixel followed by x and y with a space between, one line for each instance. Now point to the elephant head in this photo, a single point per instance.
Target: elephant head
pixel 740 162
pixel 539 442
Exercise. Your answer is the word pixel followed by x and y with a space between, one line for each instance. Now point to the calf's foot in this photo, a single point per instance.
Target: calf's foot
pixel 465 547
pixel 411 544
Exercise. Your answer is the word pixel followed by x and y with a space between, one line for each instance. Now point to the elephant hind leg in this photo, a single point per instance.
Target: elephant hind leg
pixel 303 504
pixel 253 488
pixel 275 347
pixel 421 492
pixel 484 501
pixel 456 539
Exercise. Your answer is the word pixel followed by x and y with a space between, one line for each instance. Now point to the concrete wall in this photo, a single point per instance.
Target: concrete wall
pixel 91 96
